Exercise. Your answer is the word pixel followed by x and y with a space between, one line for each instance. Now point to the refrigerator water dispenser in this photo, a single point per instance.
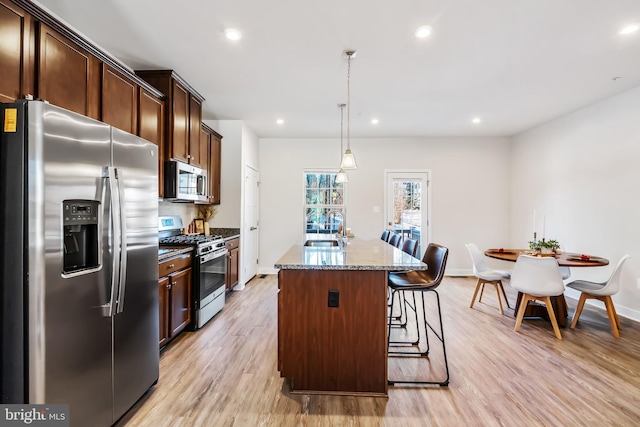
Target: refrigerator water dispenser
pixel 81 243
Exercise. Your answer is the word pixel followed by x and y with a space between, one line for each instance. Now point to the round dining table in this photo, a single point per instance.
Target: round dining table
pixel 565 259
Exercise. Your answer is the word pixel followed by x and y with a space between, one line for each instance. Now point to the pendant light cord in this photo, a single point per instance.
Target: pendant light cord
pixel 341 126
pixel 348 103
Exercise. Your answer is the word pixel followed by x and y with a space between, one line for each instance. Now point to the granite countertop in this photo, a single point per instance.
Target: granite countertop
pixel 226 233
pixel 357 255
pixel 173 251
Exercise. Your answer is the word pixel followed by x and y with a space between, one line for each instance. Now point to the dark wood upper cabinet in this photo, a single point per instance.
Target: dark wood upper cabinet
pixel 17 49
pixel 214 168
pixel 180 123
pixel 119 100
pixel 41 56
pixel 68 76
pixel 183 117
pixel 151 127
pixel 197 155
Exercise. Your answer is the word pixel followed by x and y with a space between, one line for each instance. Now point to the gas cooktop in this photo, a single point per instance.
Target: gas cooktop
pixel 188 240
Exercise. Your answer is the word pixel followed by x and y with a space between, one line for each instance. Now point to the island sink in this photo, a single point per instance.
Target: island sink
pixel 322 243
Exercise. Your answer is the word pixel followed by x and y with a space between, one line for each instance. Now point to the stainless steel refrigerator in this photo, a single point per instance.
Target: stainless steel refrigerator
pixel 79 247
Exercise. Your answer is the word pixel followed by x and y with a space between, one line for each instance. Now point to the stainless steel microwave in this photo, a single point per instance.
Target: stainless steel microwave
pixel 183 182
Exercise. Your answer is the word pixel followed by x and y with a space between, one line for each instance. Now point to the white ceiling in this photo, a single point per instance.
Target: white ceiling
pixel 514 63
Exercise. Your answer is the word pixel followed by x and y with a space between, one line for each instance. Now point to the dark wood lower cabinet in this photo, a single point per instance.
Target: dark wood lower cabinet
pixel 333 350
pixel 179 302
pixel 174 288
pixel 233 263
pixel 163 306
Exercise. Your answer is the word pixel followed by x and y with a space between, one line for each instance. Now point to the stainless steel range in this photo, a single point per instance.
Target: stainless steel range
pixel 209 267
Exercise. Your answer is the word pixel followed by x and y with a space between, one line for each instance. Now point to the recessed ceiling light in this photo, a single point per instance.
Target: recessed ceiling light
pixel 374 121
pixel 630 29
pixel 232 34
pixel 280 121
pixel 476 120
pixel 423 32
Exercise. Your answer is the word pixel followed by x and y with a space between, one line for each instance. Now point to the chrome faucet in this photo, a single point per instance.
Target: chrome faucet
pixel 334 213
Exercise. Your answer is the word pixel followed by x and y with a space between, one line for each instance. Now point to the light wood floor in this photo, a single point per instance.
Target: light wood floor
pixel 225 374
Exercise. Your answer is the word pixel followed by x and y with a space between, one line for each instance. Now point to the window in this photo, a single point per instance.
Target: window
pixel 324 206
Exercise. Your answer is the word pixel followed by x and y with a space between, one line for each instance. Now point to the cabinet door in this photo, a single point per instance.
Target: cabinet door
pixel 180 301
pixel 16 52
pixel 180 123
pixel 119 100
pixel 151 128
pixel 163 306
pixel 197 157
pixel 234 264
pixel 215 153
pixel 67 76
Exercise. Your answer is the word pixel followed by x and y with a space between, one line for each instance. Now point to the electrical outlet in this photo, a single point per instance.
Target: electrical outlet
pixel 376 209
pixel 334 298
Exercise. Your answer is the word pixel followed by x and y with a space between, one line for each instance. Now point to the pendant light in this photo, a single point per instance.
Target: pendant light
pixel 348 159
pixel 342 175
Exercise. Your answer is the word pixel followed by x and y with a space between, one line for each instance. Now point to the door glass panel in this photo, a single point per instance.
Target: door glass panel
pixel 406 205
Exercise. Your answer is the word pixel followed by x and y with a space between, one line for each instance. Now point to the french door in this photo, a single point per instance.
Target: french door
pixel 407 205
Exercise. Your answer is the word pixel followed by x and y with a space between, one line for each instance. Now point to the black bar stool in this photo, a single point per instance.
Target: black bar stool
pixel 419 281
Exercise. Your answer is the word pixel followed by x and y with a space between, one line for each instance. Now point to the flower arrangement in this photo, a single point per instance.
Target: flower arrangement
pixel 544 245
pixel 206 212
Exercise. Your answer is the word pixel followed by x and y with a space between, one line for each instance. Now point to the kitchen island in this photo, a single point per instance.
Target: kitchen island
pixel 332 316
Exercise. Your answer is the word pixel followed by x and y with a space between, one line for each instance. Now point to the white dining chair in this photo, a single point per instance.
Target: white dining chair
pixel 486 275
pixel 603 292
pixel 538 279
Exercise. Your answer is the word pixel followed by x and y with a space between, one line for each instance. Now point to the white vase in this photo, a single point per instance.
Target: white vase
pixel 546 250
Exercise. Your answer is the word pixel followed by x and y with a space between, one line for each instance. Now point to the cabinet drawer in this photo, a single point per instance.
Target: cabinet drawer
pixel 232 244
pixel 174 264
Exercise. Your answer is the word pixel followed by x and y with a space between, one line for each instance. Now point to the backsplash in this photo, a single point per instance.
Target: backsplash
pixel 187 211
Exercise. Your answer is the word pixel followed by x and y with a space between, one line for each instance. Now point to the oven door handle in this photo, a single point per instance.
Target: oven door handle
pixel 212 256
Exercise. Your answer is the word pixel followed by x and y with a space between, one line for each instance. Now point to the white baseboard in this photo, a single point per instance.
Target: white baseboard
pixel 622 311
pixel 456 272
pixel 268 271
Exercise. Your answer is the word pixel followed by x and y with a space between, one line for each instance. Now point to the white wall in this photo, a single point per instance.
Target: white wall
pixel 228 211
pixel 469 190
pixel 239 149
pixel 582 172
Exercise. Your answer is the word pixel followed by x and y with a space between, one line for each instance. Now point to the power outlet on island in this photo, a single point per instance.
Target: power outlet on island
pixel 334 299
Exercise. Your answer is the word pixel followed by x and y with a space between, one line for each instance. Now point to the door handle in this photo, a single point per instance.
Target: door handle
pixel 114 230
pixel 253 228
pixel 123 243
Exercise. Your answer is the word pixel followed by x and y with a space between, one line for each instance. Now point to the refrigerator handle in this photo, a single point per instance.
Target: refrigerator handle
pixel 114 238
pixel 122 279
